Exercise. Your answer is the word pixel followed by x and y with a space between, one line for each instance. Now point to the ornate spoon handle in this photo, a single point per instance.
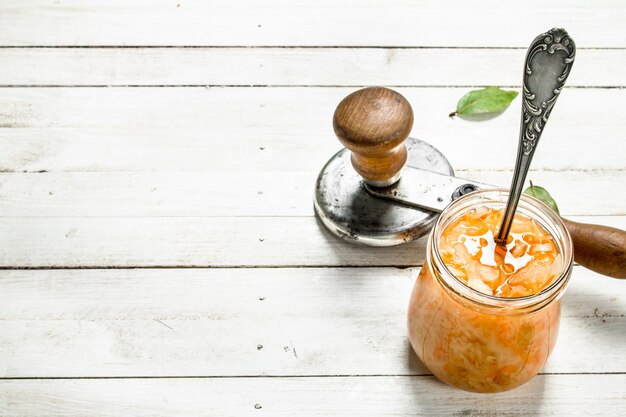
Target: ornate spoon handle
pixel 548 63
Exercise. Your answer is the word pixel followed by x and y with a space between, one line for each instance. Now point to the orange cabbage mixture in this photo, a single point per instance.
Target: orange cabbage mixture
pixel 529 263
pixel 479 350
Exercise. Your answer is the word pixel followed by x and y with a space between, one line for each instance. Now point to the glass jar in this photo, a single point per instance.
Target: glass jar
pixel 480 342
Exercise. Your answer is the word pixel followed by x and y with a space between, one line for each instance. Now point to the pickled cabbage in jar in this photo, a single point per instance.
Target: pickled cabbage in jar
pixel 493 349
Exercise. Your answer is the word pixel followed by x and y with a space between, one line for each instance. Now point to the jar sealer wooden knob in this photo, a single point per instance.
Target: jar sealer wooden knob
pixel 373 124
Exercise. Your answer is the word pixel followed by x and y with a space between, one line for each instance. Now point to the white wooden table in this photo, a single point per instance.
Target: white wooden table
pixel 158 247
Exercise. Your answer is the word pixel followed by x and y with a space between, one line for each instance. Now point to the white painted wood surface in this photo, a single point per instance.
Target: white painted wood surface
pixel 210 322
pixel 546 395
pixel 173 129
pixel 216 288
pixel 291 66
pixel 301 22
pixel 100 242
pixel 263 194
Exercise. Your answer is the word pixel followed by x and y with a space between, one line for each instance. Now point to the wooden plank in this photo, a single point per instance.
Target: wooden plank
pixel 549 395
pixel 249 322
pixel 287 107
pixel 325 22
pixel 213 148
pixel 247 193
pixel 69 242
pixel 102 129
pixel 291 66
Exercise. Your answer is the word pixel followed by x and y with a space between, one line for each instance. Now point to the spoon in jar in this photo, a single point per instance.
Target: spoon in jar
pixel 548 63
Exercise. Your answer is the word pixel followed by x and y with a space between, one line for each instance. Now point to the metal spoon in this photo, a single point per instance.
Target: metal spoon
pixel 548 63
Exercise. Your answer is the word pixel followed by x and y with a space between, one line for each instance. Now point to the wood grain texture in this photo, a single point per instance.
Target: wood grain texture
pixel 258 149
pixel 327 22
pixel 291 66
pixel 134 129
pixel 73 242
pixel 286 107
pixel 247 193
pixel 247 322
pixel 600 248
pixel 222 177
pixel 196 176
pixel 373 124
pixel 553 395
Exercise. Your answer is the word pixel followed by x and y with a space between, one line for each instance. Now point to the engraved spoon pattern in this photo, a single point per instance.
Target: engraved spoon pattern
pixel 548 63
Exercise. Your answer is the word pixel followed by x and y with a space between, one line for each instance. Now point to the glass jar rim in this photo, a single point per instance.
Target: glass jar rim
pixel 539 212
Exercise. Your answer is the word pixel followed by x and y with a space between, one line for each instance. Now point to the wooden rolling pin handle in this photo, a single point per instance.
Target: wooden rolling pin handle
pixel 373 123
pixel 599 248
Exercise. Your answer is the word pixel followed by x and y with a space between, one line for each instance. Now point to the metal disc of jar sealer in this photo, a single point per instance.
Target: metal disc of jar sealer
pixel 350 212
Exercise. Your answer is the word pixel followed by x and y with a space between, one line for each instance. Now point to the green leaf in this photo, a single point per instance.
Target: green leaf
pixel 484 104
pixel 542 194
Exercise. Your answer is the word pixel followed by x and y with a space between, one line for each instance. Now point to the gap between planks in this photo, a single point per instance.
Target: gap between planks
pixel 72 378
pixel 242 266
pixel 595 87
pixel 617 48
